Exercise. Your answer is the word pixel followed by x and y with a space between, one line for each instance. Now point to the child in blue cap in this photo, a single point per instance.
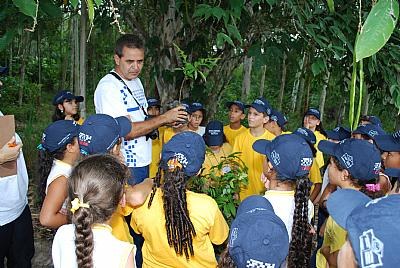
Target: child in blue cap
pixel 354 164
pixel 373 229
pixel 236 116
pixel 67 106
pixel 287 164
pixel 277 123
pixel 258 237
pixel 179 226
pixel 58 152
pixel 197 118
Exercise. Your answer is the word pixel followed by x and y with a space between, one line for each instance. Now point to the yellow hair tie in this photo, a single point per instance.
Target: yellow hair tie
pixel 76 204
pixel 173 163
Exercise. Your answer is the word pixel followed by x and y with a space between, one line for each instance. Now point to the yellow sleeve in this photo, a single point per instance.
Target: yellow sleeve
pixel 219 230
pixel 118 224
pixel 334 235
pixel 315 174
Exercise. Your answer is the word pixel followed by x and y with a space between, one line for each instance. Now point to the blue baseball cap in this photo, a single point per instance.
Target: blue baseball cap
pixel 313 111
pixel 392 172
pixel 100 132
pixel 261 105
pixel 373 119
pixel 360 157
pixel 370 130
pixel 389 142
pixel 237 103
pixel 188 148
pixel 214 134
pixel 153 102
pixel 196 106
pixel 306 134
pixel 59 134
pixel 289 154
pixel 66 95
pixel 258 237
pixel 373 226
pixel 279 118
pixel 339 133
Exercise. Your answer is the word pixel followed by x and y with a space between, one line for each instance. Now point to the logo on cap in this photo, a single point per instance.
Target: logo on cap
pixel 302 131
pixel 258 264
pixel 84 139
pixel 233 236
pixel 181 159
pixel 377 167
pixel 214 132
pixel 306 163
pixel 275 157
pixel 273 117
pixel 347 160
pixel 258 101
pixel 372 133
pixel 371 250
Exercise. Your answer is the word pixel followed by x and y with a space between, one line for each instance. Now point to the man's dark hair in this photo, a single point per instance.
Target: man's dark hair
pixel 129 41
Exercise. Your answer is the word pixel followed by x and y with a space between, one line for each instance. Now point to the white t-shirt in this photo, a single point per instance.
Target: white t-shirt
pixel 201 130
pixel 113 98
pixel 283 204
pixel 13 191
pixel 108 251
pixel 59 169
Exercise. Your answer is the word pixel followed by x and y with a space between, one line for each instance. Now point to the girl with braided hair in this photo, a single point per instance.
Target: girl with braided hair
pixel 96 187
pixel 354 164
pixel 179 226
pixel 288 161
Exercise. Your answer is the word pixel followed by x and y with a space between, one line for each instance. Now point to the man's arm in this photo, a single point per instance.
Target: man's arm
pixel 142 128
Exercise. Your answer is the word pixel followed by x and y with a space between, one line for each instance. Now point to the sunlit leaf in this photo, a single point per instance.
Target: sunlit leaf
pixel 7 38
pixel 28 7
pixel 377 29
pixel 74 3
pixel 90 7
pixel 331 5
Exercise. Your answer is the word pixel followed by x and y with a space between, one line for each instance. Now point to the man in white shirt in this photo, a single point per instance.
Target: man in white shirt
pixel 121 93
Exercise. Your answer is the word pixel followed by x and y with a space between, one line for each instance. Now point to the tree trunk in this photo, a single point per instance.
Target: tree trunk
pixel 25 49
pixel 296 84
pixel 63 62
pixel 283 81
pixel 76 56
pixel 10 64
pixel 342 112
pixel 82 57
pixel 365 100
pixel 73 36
pixel 262 82
pixel 247 64
pixel 323 93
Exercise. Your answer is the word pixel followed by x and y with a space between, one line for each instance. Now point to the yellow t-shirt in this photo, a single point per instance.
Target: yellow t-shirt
pixel 118 224
pixel 314 175
pixel 231 134
pixel 214 158
pixel 253 160
pixel 320 156
pixel 168 134
pixel 156 152
pixel 334 237
pixel 210 225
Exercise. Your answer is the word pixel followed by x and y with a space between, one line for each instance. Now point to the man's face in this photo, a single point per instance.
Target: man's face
pixel 130 64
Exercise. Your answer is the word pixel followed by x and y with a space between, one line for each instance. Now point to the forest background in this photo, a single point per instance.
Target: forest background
pixel 297 54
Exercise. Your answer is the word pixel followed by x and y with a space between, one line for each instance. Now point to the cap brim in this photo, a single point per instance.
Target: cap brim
pixel 392 172
pixel 125 125
pixel 314 114
pixel 333 135
pixel 79 98
pixel 259 108
pixel 387 143
pixel 262 146
pixel 342 202
pixel 214 140
pixel 230 103
pixel 328 147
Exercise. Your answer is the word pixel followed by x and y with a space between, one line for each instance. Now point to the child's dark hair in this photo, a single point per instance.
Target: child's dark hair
pixel 179 227
pixel 58 115
pixel 46 160
pixel 300 245
pixel 225 260
pixel 98 181
pixel 361 183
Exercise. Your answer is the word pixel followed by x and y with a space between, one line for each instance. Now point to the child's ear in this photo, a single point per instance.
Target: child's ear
pixel 71 147
pixel 60 107
pixel 266 119
pixel 122 202
pixel 243 116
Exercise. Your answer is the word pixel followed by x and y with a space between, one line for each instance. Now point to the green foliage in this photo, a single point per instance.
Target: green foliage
pixel 377 29
pixel 28 7
pixel 222 185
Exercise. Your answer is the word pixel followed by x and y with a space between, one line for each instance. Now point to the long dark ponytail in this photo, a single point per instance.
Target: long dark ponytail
pixel 300 246
pixel 179 227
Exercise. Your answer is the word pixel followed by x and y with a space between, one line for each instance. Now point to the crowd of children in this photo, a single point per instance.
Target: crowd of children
pixel 298 209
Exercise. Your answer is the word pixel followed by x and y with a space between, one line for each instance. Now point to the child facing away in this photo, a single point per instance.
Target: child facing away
pixel 236 116
pixel 258 237
pixel 277 123
pixel 258 115
pixel 67 106
pixel 217 147
pixel 354 164
pixel 179 226
pixel 373 229
pixel 95 189
pixel 287 164
pixel 58 153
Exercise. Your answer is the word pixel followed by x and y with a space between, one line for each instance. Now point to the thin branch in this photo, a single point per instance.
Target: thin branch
pixel 34 19
pixel 116 16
